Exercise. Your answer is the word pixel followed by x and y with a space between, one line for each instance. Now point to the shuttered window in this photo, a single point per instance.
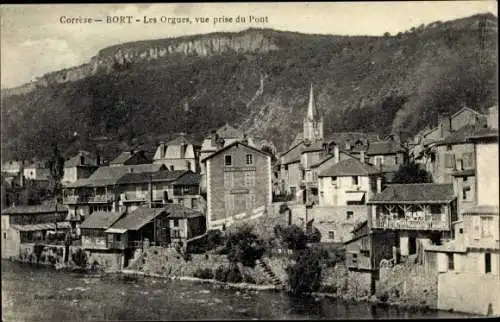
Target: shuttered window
pixel 476 227
pixel 467 161
pixel 449 160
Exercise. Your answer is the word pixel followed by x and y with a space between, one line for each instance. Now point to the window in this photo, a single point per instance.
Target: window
pixel 487 263
pixel 229 202
pixel 465 179
pixel 249 159
pixel 195 203
pixel 451 264
pixel 331 234
pixel 176 233
pixel 476 226
pixel 171 168
pixel 176 222
pixel 379 160
pixel 449 160
pixel 118 237
pixel 487 227
pixel 355 180
pixel 228 160
pixel 466 195
pixel 250 201
pixel 461 231
pixel 249 179
pixel 4 235
pixel 228 179
pixel 334 181
pixel 467 160
pixel 396 159
pixel 349 215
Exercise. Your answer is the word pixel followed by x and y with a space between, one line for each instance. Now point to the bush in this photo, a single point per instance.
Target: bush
pixel 294 237
pixel 328 289
pixel 305 275
pixel 245 247
pixel 205 273
pixel 220 273
pixel 79 258
pixel 383 297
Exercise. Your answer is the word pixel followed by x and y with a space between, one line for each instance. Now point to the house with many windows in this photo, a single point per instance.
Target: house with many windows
pixel 238 182
pixel 178 154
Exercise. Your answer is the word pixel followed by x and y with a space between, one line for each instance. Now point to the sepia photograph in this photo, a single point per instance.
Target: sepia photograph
pixel 249 161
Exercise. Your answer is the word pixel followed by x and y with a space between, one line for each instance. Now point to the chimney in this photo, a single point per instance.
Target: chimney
pixel 336 153
pixel 379 184
pixel 98 158
pixel 214 138
pixel 362 156
pixel 445 125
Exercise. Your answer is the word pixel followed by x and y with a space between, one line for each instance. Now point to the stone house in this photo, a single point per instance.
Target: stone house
pixel 239 180
pixel 344 189
pixel 37 170
pixel 80 166
pixel 185 223
pixel 178 154
pixel 30 224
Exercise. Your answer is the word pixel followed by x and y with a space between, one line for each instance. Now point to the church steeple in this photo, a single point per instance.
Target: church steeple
pixel 313 122
pixel 312 111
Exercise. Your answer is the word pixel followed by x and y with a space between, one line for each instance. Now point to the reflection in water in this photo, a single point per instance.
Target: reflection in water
pixel 53 295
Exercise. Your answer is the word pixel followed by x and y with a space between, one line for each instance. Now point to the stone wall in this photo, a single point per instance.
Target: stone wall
pixel 409 284
pixel 469 293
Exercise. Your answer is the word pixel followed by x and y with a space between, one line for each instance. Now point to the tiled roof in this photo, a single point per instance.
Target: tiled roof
pixel 293 155
pixel 107 175
pixel 461 135
pixel 188 179
pixel 166 175
pixel 415 193
pixel 181 139
pixel 228 132
pixel 137 218
pixel 122 157
pixel 101 219
pixel 349 167
pixel 35 209
pixel 75 160
pixel 384 147
pixel 44 226
pixel 234 144
pixel 179 211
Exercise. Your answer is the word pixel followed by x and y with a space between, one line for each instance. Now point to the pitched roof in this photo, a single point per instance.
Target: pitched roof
pixel 167 175
pixel 136 219
pixel 189 179
pixel 229 132
pixel 101 219
pixel 34 209
pixel 234 144
pixel 384 147
pixel 348 167
pixel 179 211
pixel 105 176
pixel 75 160
pixel 415 193
pixel 181 139
pixel 293 154
pixel 462 135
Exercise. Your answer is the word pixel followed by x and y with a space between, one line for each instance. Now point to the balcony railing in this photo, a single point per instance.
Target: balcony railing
pixel 100 199
pixel 75 199
pixel 404 224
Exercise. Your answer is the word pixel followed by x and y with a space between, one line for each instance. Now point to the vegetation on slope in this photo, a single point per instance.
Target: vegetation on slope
pixel 378 84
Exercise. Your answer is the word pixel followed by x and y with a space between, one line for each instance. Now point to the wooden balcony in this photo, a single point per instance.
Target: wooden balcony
pixel 75 199
pixel 406 224
pixel 100 199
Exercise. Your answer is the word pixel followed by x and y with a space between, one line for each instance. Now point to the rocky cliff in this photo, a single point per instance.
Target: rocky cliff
pixel 258 80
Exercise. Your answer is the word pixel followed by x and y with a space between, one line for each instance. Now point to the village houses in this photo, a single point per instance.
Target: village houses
pixel 178 154
pixel 80 166
pixel 238 183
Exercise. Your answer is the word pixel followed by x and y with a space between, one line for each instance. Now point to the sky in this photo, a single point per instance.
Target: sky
pixel 34 41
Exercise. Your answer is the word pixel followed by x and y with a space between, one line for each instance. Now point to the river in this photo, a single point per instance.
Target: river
pixel 43 294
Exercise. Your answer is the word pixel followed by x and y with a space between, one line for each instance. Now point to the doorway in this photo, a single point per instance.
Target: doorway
pixel 487 263
pixel 412 245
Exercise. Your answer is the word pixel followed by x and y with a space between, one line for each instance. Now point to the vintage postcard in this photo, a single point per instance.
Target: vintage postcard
pixel 223 161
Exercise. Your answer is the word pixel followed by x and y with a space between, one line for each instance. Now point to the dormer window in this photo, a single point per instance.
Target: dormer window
pixel 228 160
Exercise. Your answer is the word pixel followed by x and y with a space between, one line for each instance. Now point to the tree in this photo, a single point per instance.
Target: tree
pixel 56 167
pixel 245 247
pixel 294 237
pixel 412 173
pixel 305 275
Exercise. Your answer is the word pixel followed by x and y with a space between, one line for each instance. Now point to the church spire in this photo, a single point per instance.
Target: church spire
pixel 312 111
